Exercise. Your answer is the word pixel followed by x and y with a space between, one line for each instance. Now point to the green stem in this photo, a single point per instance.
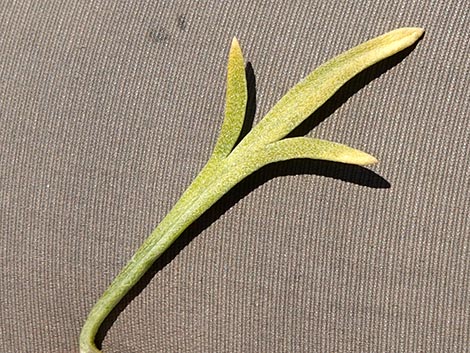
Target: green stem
pixel 208 187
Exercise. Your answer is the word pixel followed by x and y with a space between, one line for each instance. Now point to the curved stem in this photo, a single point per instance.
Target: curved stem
pixel 208 187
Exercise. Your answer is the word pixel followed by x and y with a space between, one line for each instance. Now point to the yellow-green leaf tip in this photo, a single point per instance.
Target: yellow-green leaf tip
pixel 358 158
pixel 414 32
pixel 418 31
pixel 235 43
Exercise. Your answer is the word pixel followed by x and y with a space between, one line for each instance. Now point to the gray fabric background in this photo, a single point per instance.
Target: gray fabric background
pixel 108 109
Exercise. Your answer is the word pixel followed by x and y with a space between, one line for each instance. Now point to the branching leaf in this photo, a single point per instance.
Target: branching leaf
pixel 235 102
pixel 305 147
pixel 310 93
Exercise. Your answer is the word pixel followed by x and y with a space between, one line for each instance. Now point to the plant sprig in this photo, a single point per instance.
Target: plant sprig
pixel 264 144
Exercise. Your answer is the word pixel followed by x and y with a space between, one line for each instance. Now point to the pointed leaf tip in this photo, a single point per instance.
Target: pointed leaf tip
pixel 349 155
pixel 414 33
pixel 236 50
pixel 235 43
pixel 365 159
pixel 418 31
pixel 312 148
pixel 236 96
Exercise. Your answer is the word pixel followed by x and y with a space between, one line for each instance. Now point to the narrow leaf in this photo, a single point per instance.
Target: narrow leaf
pixel 235 105
pixel 308 95
pixel 305 147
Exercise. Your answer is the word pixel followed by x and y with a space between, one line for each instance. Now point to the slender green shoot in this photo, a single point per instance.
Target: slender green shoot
pixel 264 144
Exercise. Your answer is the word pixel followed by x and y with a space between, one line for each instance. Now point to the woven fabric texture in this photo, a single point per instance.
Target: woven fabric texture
pixel 108 110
